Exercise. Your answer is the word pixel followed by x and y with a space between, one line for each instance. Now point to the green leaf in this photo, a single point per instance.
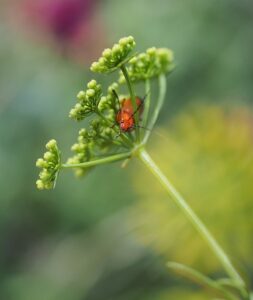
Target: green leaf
pixel 200 279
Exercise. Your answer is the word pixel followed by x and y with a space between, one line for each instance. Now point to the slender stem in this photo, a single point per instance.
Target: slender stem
pixel 108 159
pixel 133 99
pixel 147 102
pixel 161 97
pixel 193 218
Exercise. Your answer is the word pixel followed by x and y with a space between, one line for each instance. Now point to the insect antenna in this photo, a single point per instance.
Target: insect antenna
pixel 142 127
pixel 116 96
pixel 142 103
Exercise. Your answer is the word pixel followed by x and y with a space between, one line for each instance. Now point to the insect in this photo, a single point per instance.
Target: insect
pixel 125 116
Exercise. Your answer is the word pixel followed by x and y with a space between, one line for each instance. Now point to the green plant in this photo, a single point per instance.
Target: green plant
pixel 105 141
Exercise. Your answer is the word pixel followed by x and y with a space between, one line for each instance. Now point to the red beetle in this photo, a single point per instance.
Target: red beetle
pixel 125 116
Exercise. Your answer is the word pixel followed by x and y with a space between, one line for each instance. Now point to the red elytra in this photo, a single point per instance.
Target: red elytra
pixel 125 116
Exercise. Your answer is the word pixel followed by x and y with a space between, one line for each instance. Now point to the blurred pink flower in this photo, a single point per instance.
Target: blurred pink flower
pixel 62 18
pixel 72 26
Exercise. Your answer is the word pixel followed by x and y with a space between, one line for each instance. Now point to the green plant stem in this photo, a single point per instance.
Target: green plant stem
pixel 133 100
pixel 194 219
pixel 108 159
pixel 160 101
pixel 147 103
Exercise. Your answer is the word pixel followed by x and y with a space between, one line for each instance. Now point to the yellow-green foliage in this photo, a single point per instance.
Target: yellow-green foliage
pixel 207 152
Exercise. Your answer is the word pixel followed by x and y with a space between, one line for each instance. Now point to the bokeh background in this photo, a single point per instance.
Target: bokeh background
pixel 109 235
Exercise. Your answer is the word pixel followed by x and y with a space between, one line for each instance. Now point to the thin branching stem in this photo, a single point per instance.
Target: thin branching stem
pixel 147 103
pixel 194 219
pixel 160 101
pixel 105 160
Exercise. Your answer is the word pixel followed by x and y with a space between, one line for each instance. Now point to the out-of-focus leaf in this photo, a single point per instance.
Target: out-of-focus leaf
pixel 200 279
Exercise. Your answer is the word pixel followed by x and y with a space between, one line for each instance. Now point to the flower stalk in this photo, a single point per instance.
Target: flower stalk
pixel 101 161
pixel 193 218
pixel 160 101
pixel 106 141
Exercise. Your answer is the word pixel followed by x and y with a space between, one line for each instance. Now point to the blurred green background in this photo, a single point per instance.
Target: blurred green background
pixel 109 235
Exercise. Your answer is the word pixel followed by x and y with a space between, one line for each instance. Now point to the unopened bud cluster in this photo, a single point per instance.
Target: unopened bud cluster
pixel 83 152
pixel 109 104
pixel 104 136
pixel 50 164
pixel 152 63
pixel 113 58
pixel 98 139
pixel 87 101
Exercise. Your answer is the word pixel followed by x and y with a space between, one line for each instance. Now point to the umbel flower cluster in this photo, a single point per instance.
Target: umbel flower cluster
pixel 112 59
pixel 50 164
pixel 114 131
pixel 118 129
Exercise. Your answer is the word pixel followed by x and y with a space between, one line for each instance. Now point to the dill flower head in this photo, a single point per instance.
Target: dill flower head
pixel 50 164
pixel 113 58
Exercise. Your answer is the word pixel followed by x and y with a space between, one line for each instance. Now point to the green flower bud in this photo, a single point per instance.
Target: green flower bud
pixel 72 113
pixel 81 95
pixel 83 132
pixel 40 184
pixel 80 139
pixel 51 145
pixel 48 156
pixel 151 51
pixel 40 163
pixel 116 50
pixel 103 104
pixel 78 107
pixel 92 84
pixel 107 53
pixel 48 185
pixel 90 93
pixel 75 147
pixel 108 131
pixel 44 175
pixel 124 41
